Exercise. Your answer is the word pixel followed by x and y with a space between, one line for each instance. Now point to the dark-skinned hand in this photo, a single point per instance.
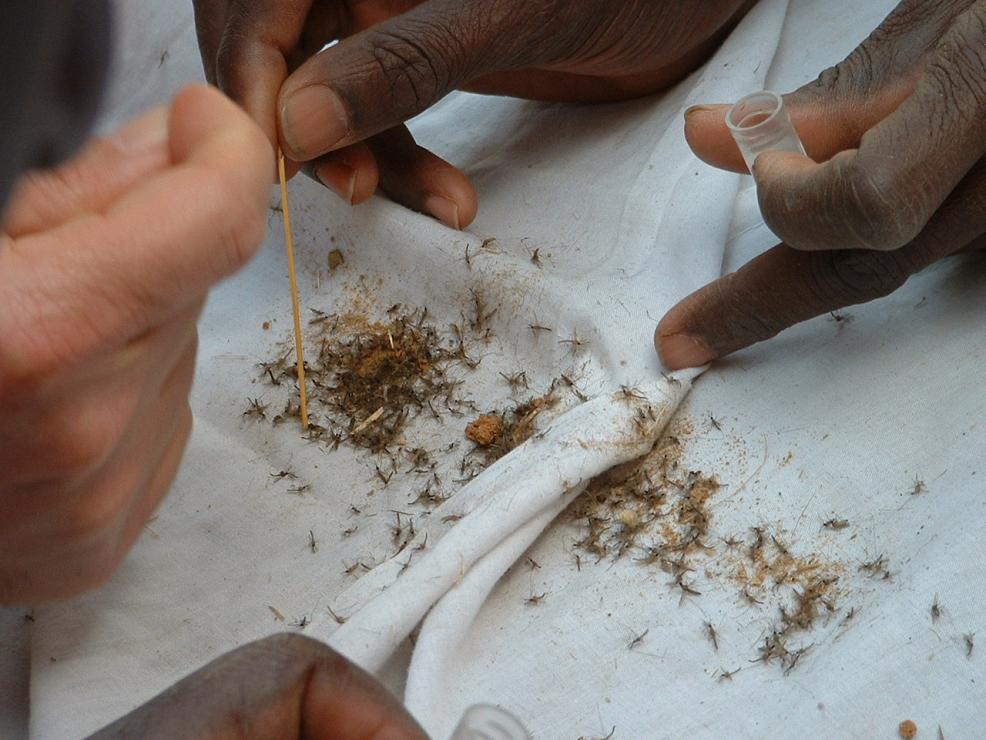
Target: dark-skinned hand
pixel 283 687
pixel 897 133
pixel 342 109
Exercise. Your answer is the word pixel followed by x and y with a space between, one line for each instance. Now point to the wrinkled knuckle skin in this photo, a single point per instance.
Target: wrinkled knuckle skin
pixel 82 436
pixel 414 64
pixel 959 65
pixel 228 58
pixel 884 213
pixel 851 277
pixel 746 318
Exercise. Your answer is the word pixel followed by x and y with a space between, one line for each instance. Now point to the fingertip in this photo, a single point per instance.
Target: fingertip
pixel 351 173
pixel 709 138
pixel 312 120
pixel 678 351
pixel 459 191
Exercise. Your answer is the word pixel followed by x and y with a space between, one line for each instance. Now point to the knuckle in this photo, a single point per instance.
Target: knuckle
pixel 750 315
pixel 883 212
pixel 92 525
pixel 850 277
pixel 959 65
pixel 82 437
pixel 416 63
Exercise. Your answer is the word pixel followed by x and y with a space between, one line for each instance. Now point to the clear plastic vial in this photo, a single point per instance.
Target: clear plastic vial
pixel 760 123
pixel 487 722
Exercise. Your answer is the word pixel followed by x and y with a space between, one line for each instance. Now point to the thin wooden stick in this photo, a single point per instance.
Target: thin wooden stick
pixel 295 302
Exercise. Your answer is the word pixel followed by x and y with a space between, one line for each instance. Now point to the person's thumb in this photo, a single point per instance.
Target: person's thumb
pixel 389 73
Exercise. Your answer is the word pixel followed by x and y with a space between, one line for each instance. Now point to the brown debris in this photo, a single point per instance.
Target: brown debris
pixel 496 434
pixel 485 430
pixel 369 379
pixel 907 729
pixel 336 260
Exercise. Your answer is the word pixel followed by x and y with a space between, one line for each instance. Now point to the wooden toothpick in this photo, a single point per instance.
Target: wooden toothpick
pixel 295 302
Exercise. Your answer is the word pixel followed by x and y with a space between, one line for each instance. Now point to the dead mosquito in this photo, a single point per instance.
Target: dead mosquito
pixel 671 380
pixel 638 639
pixel 575 344
pixel 351 569
pixel 256 410
pixel 312 542
pixel 535 599
pixel 750 598
pixel 836 524
pixel 841 318
pixel 725 675
pixel 382 476
pixel 516 380
pixel 631 394
pixel 713 636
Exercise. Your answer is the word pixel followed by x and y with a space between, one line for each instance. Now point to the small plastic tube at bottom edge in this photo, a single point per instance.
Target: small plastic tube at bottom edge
pixel 487 722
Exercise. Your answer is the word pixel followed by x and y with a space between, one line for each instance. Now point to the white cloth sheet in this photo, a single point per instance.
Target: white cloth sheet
pixel 830 420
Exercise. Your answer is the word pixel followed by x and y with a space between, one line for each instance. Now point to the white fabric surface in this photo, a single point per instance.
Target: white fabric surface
pixel 831 419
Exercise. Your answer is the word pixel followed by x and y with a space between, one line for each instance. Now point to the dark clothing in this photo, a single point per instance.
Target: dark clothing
pixel 54 56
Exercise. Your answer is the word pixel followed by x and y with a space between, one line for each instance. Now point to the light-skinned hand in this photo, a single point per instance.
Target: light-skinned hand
pixel 105 264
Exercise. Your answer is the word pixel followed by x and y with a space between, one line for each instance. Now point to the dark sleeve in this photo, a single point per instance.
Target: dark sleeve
pixel 54 56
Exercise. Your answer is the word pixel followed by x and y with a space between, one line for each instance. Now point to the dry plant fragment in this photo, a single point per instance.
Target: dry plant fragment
pixel 907 729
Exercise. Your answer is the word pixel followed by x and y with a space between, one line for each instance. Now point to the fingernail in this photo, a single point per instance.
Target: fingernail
pixel 698 109
pixel 444 210
pixel 679 351
pixel 150 131
pixel 339 178
pixel 313 121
